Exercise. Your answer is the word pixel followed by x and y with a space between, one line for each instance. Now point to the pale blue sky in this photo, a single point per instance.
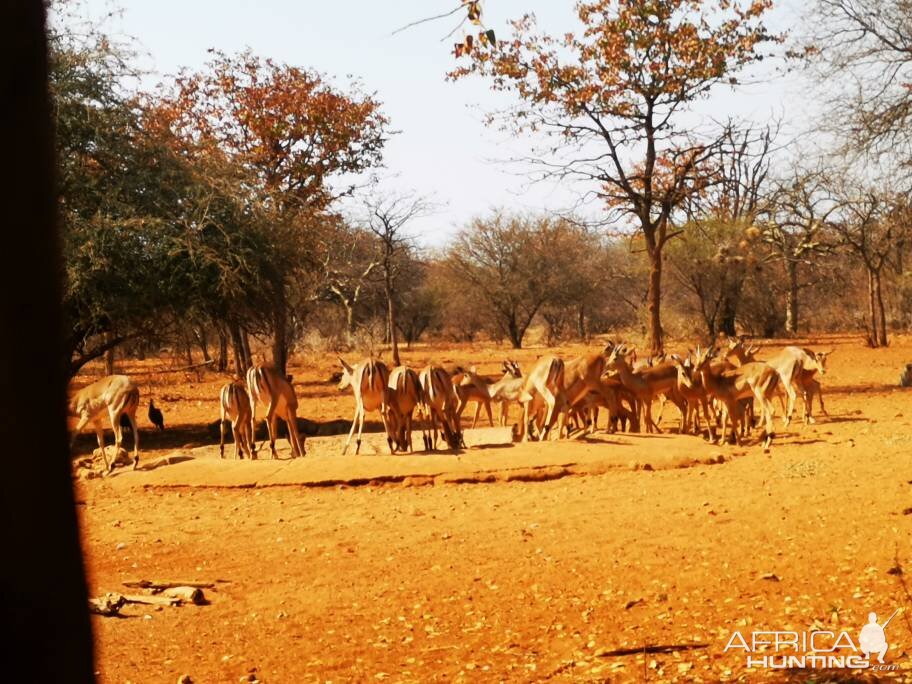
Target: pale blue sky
pixel 444 150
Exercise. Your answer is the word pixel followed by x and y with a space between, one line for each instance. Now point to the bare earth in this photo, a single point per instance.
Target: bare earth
pixel 518 562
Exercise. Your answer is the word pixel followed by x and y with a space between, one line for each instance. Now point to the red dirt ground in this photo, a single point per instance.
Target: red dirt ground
pixel 511 580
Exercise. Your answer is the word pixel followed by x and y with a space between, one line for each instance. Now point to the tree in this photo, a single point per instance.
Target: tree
pixel 798 212
pixel 387 219
pixel 290 132
pixel 118 197
pixel 509 263
pixel 614 97
pixel 871 224
pixel 45 589
pixel 351 256
pixel 863 50
pixel 715 264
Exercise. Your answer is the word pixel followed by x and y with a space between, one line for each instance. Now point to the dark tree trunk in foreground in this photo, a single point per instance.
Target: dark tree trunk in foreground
pixel 42 581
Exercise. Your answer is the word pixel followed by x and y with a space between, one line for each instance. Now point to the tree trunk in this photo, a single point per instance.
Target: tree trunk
pixel 109 362
pixel 728 312
pixel 872 308
pixel 791 298
pixel 391 320
pixel 245 346
pixel 516 337
pixel 240 357
pixel 280 334
pixel 44 583
pixel 881 313
pixel 203 340
pixel 349 322
pixel 581 323
pixel 656 342
pixel 222 359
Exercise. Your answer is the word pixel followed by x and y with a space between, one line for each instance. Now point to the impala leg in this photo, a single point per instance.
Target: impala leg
pixel 222 437
pixel 489 412
pixel 99 435
pixel 271 427
pixel 477 411
pixel 253 405
pixel 361 415
pixel 524 428
pixel 792 398
pixel 294 435
pixel 132 417
pixel 351 432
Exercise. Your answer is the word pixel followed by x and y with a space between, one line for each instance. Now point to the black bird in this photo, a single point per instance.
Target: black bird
pixel 156 417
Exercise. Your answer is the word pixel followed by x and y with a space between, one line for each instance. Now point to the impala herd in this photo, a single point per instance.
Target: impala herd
pixel 725 382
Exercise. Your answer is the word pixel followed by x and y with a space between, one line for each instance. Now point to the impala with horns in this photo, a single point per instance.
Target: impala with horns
pixel 115 395
pixel 368 380
pixel 439 404
pixel 269 387
pixel 507 390
pixel 234 407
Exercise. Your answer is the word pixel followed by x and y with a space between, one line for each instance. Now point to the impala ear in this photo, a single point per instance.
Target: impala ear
pixel 348 369
pixel 473 370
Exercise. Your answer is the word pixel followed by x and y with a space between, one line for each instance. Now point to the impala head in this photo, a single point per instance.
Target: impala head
pixel 684 370
pixel 347 374
pixel 820 360
pixel 619 354
pixel 702 358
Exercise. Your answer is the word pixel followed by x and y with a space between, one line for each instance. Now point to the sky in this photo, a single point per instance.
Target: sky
pixel 443 150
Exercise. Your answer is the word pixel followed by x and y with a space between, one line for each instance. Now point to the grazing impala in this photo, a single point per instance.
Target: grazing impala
pixel 234 406
pixel 404 397
pixel 439 403
pixel 267 386
pixel 368 381
pixel 544 390
pixel 117 395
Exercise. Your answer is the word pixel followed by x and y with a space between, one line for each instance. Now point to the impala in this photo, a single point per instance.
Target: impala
pixel 506 391
pixel 368 380
pixel 757 380
pixel 543 389
pixel 404 397
pixel 267 386
pixel 470 387
pixel 439 403
pixel 234 406
pixel 790 363
pixel 117 395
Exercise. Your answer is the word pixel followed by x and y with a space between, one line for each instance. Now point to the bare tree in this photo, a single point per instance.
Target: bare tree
pixel 863 48
pixel 348 264
pixel 719 244
pixel 387 218
pixel 799 209
pixel 870 226
pixel 513 266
